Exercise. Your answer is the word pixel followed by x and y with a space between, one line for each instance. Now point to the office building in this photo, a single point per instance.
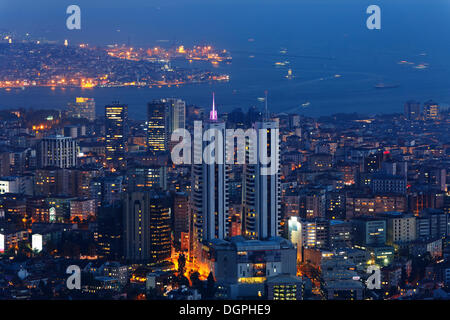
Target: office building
pixel 82 108
pixel 369 231
pixel 57 151
pixel 284 287
pixel 157 123
pixel 241 261
pixel 163 117
pixel 146 227
pixel 431 110
pixel 116 135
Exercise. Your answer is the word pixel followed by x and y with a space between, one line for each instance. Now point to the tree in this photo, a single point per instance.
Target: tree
pixel 182 280
pixel 181 263
pixel 196 282
pixel 210 286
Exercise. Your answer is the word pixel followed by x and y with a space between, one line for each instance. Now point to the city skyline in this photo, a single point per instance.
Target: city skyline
pixel 223 157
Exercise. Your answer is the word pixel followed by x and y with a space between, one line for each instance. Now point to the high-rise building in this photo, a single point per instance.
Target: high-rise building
pixel 57 151
pixel 261 191
pixel 176 113
pixel 147 227
pixel 412 110
pixel 82 108
pixel 147 177
pixel 157 126
pixel 163 117
pixel 210 193
pixel 110 231
pixel 181 217
pixel 116 134
pixel 431 110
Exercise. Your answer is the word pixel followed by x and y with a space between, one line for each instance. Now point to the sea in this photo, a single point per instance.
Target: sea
pixel 314 58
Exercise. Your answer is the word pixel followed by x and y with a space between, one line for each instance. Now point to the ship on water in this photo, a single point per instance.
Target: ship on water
pixel 306 104
pixel 289 75
pixel 386 85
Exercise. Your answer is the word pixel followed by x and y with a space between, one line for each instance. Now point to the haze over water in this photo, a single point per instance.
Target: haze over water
pixel 335 59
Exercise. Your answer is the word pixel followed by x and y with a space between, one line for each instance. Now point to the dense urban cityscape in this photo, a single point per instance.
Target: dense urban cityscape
pixel 35 63
pixel 224 159
pixel 101 193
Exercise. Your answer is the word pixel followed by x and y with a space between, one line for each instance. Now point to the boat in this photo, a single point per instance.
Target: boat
pixel 289 75
pixel 386 86
pixel 306 104
pixel 421 66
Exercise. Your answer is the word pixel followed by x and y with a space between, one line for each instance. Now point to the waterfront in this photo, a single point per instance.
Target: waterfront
pixel 336 62
pixel 319 86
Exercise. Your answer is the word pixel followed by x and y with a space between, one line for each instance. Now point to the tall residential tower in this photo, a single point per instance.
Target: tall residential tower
pixel 210 194
pixel 261 186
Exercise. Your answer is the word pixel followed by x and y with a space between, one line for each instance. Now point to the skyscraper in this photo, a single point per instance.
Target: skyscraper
pixel 147 227
pixel 82 108
pixel 163 117
pixel 177 114
pixel 156 126
pixel 210 193
pixel 116 134
pixel 261 191
pixel 110 231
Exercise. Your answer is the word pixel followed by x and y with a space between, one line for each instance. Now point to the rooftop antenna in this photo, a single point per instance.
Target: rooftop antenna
pixel 266 111
pixel 213 113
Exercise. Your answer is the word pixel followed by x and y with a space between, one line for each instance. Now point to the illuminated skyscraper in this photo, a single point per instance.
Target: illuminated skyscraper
pixel 157 123
pixel 147 227
pixel 261 190
pixel 210 193
pixel 116 134
pixel 82 108
pixel 163 117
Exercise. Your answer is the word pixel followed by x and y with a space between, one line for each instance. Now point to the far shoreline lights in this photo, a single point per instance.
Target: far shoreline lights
pixel 155 67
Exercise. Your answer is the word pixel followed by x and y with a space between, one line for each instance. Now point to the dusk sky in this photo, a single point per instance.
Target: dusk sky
pixel 230 22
